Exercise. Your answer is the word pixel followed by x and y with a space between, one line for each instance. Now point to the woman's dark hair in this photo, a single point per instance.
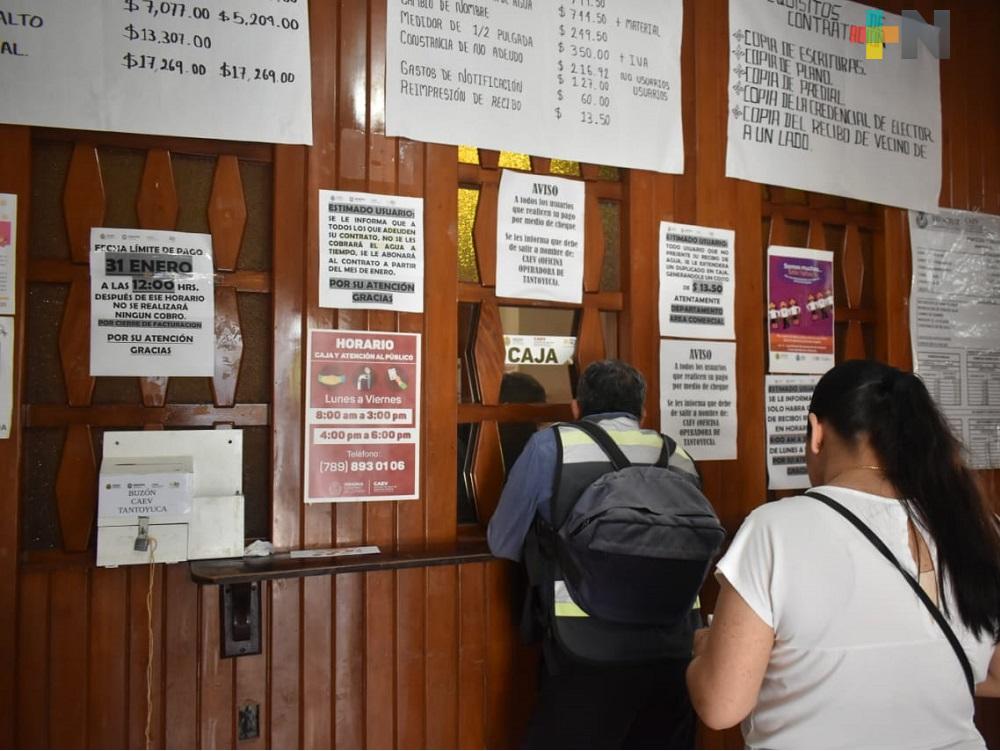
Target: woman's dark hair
pixel 922 458
pixel 610 386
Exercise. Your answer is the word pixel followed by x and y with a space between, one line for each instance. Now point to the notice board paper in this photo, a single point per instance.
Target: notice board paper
pixel 698 396
pixel 808 109
pixel 371 251
pixel 954 326
pixel 363 416
pixel 6 374
pixel 696 281
pixel 152 305
pixel 8 252
pixel 800 309
pixel 787 412
pixel 205 70
pixel 540 237
pixel 594 82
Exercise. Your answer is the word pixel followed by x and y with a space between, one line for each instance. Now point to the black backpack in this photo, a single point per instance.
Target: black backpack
pixel 636 546
pixel 633 549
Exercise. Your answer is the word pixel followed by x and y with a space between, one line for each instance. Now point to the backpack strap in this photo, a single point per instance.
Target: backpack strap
pixel 669 447
pixel 605 442
pixel 914 585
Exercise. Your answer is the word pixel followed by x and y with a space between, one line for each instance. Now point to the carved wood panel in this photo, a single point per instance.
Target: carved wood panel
pixel 55 261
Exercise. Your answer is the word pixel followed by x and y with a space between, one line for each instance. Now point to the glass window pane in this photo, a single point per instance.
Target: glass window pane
pixel 553 379
pixel 468 155
pixel 49 166
pixel 796 233
pixel 609 322
pixel 466 502
pixel 39 510
pixel 611 212
pixel 564 167
pixel 46 304
pixel 514 436
pixel 834 237
pixel 512 160
pixel 468 202
pixel 467 314
pixel 868 259
pixel 609 174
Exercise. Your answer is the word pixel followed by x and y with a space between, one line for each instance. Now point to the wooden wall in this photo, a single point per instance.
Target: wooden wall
pixel 425 657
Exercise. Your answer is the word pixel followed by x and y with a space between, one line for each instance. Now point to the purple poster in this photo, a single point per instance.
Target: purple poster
pixel 800 309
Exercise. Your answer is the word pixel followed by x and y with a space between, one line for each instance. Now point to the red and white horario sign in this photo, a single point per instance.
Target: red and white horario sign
pixel 362 416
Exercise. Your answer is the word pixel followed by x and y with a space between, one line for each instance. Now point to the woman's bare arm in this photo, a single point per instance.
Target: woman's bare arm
pixel 730 660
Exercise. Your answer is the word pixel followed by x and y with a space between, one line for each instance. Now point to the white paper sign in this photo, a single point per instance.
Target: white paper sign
pixel 538 350
pixel 698 396
pixel 954 326
pixel 6 374
pixel 696 281
pixel 540 237
pixel 203 69
pixel 787 402
pixel 152 310
pixel 8 252
pixel 371 251
pixel 808 110
pixel 590 82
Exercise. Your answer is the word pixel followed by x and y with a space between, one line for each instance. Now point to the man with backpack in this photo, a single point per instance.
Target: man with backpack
pixel 616 538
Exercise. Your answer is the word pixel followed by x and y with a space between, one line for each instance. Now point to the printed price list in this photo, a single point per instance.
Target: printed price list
pixel 984 442
pixel 942 374
pixel 984 388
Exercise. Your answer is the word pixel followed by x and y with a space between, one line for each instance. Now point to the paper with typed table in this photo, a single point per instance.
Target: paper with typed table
pixel 954 327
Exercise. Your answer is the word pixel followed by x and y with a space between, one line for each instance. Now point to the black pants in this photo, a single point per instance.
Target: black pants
pixel 644 706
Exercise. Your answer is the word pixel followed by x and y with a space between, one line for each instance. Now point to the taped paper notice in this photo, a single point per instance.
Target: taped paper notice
pixel 8 252
pixel 698 396
pixel 787 411
pixel 696 281
pixel 540 238
pixel 152 310
pixel 954 324
pixel 371 251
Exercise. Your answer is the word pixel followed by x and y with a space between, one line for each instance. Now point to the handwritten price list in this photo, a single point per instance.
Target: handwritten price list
pixel 153 25
pixel 574 79
pixel 200 69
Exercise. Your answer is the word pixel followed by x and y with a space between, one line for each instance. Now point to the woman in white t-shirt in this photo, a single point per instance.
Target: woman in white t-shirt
pixel 818 641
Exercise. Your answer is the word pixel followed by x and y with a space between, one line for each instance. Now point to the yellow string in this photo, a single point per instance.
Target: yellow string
pixel 149 658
